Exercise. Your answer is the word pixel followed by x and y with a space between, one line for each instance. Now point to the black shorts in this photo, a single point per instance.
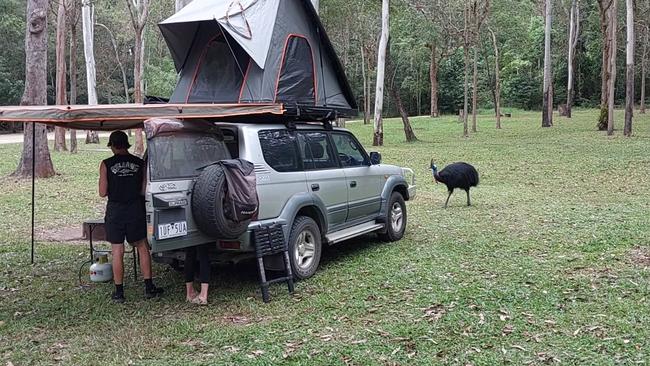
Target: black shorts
pixel 125 221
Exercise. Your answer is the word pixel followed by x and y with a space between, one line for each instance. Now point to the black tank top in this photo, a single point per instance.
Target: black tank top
pixel 125 175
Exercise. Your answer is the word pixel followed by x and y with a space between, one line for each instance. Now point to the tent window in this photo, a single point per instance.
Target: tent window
pixel 217 78
pixel 297 79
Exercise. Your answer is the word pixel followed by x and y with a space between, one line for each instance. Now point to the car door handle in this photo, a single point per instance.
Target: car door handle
pixel 353 184
pixel 315 187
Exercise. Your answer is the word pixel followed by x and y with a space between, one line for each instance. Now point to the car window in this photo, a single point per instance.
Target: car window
pixel 318 151
pixel 280 150
pixel 349 151
pixel 180 155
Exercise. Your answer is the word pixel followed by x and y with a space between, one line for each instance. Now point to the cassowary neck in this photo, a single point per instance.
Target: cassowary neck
pixel 437 177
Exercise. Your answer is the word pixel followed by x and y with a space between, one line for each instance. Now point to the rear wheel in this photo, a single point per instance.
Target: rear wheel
pixel 305 247
pixel 395 218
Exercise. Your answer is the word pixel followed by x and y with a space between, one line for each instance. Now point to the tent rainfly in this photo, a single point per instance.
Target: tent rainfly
pixel 257 51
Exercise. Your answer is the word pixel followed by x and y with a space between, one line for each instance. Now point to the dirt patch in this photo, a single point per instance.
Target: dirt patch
pixel 592 273
pixel 65 234
pixel 640 257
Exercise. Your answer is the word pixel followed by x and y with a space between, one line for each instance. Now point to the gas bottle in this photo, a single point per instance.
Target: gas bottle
pixel 101 271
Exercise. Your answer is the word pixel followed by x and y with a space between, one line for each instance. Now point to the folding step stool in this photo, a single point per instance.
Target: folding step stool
pixel 269 240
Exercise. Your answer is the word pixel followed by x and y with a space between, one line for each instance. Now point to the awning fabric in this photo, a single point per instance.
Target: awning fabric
pixel 126 116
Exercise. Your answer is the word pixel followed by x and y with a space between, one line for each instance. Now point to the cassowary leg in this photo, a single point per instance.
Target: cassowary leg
pixel 446 202
pixel 469 203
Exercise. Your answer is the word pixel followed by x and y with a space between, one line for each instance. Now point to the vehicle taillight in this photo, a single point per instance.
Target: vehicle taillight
pixel 229 244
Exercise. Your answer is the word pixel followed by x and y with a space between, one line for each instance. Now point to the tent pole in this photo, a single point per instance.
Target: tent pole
pixel 33 182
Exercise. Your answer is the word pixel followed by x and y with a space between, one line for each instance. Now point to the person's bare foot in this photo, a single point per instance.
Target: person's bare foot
pixel 200 301
pixel 191 296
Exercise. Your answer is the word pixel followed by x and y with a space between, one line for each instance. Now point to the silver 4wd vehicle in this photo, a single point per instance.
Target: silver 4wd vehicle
pixel 318 183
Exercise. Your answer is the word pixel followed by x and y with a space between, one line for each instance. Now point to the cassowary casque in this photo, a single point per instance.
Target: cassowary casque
pixel 457 175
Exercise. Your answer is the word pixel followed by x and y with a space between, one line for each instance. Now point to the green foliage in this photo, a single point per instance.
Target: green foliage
pixel 12 52
pixel 450 78
pixel 160 78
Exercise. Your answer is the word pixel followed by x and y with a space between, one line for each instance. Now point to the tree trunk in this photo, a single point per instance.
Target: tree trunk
pixel 138 11
pixel 73 12
pixel 604 9
pixel 497 80
pixel 138 80
pixel 475 88
pixel 574 27
pixel 418 98
pixel 643 66
pixel 408 130
pixel 629 62
pixel 466 70
pixel 88 21
pixel 35 92
pixel 180 4
pixel 547 111
pixel 366 111
pixel 613 16
pixel 433 75
pixel 125 84
pixel 395 94
pixel 59 132
pixel 378 128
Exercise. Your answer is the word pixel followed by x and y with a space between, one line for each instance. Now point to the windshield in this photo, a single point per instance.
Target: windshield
pixel 179 155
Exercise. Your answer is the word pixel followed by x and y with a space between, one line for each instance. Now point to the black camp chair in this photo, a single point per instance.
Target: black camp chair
pixel 269 241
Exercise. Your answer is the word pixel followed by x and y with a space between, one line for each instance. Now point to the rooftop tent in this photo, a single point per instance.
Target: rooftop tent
pixel 257 51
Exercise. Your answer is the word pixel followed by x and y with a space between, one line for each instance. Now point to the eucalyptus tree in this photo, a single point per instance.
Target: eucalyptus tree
pixel 60 70
pixel 88 29
pixel 574 30
pixel 138 12
pixel 608 14
pixel 547 104
pixel 378 126
pixel 35 93
pixel 629 62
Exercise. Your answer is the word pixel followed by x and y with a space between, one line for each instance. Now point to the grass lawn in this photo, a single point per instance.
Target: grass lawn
pixel 550 265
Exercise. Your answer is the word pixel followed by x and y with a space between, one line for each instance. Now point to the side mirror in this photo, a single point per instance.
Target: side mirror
pixel 375 158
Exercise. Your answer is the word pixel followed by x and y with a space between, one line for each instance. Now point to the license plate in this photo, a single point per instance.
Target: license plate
pixel 172 230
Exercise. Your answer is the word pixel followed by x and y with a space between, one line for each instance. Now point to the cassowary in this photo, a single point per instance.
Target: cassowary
pixel 456 175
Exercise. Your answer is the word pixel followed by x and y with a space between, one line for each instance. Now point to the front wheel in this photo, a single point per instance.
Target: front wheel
pixel 305 247
pixel 395 218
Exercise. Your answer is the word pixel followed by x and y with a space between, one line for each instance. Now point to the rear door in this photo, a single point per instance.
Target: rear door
pixel 363 180
pixel 324 177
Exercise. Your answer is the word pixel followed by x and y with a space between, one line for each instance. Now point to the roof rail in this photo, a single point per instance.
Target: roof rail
pixel 292 125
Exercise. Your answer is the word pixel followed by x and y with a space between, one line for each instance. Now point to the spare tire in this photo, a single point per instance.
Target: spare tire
pixel 207 205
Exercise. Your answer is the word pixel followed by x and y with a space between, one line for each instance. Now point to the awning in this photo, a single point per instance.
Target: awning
pixel 126 116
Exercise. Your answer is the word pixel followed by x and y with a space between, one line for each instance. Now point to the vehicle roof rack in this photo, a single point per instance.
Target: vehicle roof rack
pixel 292 125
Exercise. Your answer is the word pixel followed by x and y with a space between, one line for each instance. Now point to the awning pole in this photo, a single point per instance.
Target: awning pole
pixel 33 182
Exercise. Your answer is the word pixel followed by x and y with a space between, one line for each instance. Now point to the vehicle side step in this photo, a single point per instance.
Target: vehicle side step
pixel 352 232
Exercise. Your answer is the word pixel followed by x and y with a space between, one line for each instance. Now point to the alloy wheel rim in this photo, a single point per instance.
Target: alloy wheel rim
pixel 305 249
pixel 396 217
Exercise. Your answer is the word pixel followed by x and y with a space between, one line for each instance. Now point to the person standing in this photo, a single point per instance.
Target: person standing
pixel 122 179
pixel 202 253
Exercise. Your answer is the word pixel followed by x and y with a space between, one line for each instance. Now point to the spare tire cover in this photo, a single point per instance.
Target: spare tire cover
pixel 207 205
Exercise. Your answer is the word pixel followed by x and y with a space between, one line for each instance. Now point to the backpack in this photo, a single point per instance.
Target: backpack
pixel 240 202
